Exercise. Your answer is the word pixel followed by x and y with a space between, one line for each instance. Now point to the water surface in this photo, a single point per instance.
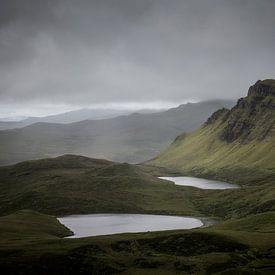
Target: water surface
pixel 104 224
pixel 200 183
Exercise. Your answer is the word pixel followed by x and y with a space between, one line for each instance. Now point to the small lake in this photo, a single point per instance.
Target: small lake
pixel 200 183
pixel 104 224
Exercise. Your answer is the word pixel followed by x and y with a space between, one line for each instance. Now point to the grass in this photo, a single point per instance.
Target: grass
pixel 78 185
pixel 203 151
pixel 262 223
pixel 75 185
pixel 235 146
pixel 239 245
pixel 238 140
pixel 32 242
pixel 28 223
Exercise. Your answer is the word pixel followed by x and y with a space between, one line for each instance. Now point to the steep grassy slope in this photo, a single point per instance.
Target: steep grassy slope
pixel 131 138
pixel 240 246
pixel 236 144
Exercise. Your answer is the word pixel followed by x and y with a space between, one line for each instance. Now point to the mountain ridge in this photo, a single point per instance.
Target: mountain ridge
pixel 71 117
pixel 132 138
pixel 241 138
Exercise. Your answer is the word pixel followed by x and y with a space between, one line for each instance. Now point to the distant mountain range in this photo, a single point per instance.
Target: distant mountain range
pixel 70 117
pixel 235 142
pixel 129 138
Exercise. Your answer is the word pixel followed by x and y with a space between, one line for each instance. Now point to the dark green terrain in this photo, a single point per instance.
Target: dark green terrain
pixel 32 243
pixel 75 184
pixel 234 145
pixel 244 246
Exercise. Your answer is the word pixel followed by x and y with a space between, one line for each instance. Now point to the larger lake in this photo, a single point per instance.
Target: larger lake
pixel 200 183
pixel 104 224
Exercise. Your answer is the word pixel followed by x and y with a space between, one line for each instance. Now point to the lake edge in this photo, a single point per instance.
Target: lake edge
pixel 204 181
pixel 204 222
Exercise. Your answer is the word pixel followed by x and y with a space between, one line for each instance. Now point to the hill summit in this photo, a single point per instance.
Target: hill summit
pixel 241 138
pixel 253 116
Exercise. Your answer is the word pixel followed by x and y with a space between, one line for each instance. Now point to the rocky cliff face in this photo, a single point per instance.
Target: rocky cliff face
pixel 236 141
pixel 262 88
pixel 253 118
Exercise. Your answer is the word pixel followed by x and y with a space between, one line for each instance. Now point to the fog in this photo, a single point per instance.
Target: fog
pixel 62 55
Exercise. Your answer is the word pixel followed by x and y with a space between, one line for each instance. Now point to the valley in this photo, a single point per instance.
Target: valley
pixel 127 138
pixel 239 236
pixel 137 137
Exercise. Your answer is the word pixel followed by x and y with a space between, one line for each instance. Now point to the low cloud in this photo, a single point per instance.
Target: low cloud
pixel 79 53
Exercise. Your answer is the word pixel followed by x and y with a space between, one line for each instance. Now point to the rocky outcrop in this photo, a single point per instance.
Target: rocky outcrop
pixel 254 116
pixel 262 88
pixel 221 114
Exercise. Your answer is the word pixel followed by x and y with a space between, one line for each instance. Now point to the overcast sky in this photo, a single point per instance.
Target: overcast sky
pixel 64 54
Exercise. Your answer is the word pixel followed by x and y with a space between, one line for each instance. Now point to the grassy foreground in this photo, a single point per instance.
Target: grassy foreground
pixel 240 246
pixel 28 223
pixel 33 243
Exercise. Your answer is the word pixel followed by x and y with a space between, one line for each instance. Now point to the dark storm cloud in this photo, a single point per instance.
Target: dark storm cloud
pixel 92 52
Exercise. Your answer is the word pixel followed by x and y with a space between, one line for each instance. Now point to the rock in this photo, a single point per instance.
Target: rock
pixel 256 111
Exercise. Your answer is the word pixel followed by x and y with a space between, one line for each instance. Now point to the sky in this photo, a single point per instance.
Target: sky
pixel 61 55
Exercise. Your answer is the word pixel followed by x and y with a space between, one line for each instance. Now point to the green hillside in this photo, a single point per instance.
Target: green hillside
pixel 28 224
pixel 74 184
pixel 236 144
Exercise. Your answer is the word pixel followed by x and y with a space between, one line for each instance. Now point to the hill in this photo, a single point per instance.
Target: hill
pixel 131 138
pixel 70 117
pixel 236 145
pixel 28 223
pixel 74 184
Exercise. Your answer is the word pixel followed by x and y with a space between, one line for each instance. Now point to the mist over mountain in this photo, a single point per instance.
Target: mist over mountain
pixel 235 144
pixel 132 138
pixel 240 140
pixel 70 117
pixel 97 135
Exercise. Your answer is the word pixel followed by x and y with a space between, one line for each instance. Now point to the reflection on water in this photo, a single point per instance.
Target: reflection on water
pixel 103 224
pixel 200 183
